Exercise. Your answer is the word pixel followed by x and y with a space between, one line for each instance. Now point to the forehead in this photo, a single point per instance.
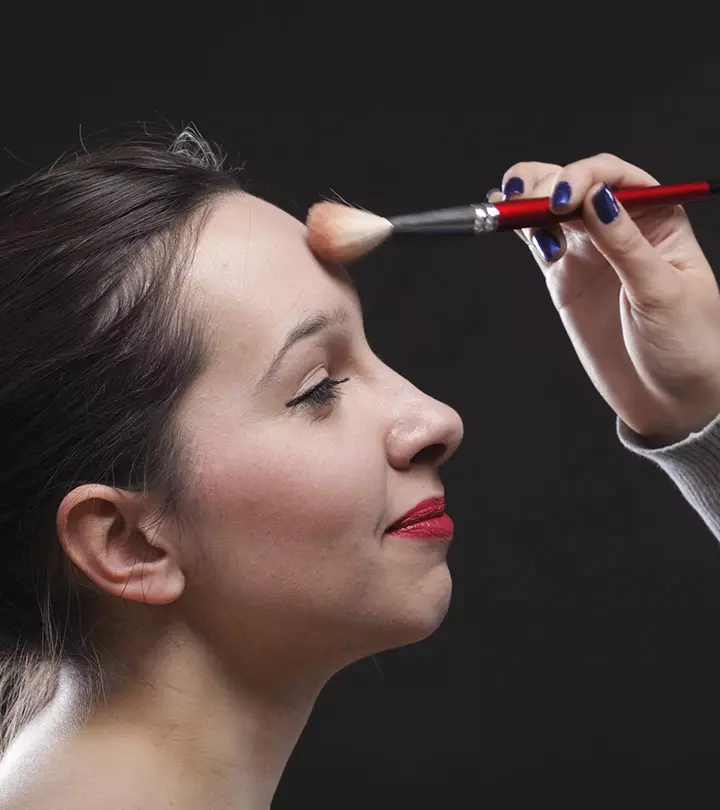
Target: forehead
pixel 254 273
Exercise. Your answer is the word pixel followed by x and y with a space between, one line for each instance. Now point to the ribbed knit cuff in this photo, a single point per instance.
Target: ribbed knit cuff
pixel 693 465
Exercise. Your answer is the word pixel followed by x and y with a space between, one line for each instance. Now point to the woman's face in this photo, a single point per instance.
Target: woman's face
pixel 296 499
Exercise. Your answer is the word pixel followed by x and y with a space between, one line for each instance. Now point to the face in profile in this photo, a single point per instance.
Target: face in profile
pixel 295 493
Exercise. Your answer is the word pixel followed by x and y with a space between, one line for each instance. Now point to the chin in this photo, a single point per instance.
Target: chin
pixel 409 616
pixel 422 613
pixel 427 621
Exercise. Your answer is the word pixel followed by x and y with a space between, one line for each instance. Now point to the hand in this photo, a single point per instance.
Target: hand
pixel 636 295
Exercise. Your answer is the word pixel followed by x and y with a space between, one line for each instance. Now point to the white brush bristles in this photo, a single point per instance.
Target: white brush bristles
pixel 340 233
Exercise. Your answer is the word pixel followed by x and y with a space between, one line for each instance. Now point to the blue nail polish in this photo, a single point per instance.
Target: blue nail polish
pixel 514 185
pixel 605 205
pixel 562 193
pixel 547 243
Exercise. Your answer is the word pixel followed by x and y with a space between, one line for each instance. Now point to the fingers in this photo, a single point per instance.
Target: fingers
pixel 495 195
pixel 548 243
pixel 523 177
pixel 567 188
pixel 573 182
pixel 535 180
pixel 651 283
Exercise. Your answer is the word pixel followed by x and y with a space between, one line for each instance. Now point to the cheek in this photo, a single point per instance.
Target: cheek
pixel 311 485
pixel 293 510
pixel 292 544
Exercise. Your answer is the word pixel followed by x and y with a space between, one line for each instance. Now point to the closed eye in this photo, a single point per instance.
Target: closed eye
pixel 319 395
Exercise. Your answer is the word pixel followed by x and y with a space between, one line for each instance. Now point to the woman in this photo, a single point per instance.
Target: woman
pixel 174 350
pixel 207 523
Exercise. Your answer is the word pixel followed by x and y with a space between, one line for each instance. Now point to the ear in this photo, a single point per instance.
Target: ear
pixel 101 530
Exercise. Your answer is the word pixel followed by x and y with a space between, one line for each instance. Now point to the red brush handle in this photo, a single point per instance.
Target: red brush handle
pixel 515 214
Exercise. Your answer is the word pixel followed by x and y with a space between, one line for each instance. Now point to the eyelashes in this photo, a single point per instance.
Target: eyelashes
pixel 319 395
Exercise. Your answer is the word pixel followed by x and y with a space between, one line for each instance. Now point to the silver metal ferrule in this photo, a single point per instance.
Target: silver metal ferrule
pixel 487 217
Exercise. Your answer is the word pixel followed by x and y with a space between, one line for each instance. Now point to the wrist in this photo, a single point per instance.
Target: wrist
pixel 654 441
pixel 664 436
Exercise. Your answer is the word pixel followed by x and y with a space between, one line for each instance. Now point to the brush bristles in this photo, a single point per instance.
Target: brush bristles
pixel 340 233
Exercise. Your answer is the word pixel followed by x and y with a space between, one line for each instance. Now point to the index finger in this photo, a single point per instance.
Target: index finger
pixel 575 180
pixel 531 173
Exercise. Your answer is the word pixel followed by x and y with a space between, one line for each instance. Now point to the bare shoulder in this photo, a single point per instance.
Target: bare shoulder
pixel 44 793
pixel 60 784
pixel 87 795
pixel 71 803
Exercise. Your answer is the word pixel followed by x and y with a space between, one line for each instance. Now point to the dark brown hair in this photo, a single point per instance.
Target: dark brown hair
pixel 97 345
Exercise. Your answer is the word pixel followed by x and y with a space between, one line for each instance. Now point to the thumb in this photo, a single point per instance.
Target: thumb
pixel 650 282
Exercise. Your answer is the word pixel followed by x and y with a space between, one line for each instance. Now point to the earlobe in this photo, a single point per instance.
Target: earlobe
pixel 100 530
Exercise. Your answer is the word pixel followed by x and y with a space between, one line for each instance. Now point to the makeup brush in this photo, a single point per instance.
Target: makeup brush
pixel 341 233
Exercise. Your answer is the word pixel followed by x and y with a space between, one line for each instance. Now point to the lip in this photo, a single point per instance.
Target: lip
pixel 428 520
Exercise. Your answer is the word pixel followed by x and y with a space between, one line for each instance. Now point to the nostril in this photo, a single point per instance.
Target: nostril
pixel 432 452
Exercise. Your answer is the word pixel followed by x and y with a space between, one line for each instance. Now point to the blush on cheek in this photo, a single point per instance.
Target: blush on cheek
pixel 294 552
pixel 290 525
pixel 283 489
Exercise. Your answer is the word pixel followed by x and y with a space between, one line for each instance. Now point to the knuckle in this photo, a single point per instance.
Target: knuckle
pixel 517 169
pixel 531 168
pixel 607 156
pixel 626 242
pixel 589 166
pixel 655 304
pixel 523 165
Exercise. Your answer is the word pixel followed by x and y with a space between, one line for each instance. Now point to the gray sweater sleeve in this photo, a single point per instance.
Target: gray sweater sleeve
pixel 692 464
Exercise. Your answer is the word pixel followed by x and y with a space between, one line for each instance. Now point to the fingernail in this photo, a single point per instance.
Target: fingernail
pixel 562 193
pixel 546 242
pixel 605 205
pixel 514 185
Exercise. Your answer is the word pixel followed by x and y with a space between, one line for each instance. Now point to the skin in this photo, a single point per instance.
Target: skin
pixel 642 309
pixel 637 297
pixel 230 637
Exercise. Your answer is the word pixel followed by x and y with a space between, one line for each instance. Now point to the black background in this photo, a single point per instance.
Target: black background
pixel 579 664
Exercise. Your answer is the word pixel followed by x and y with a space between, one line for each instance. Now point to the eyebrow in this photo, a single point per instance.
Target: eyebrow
pixel 317 322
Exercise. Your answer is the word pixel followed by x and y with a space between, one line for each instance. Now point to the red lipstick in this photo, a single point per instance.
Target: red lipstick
pixel 426 521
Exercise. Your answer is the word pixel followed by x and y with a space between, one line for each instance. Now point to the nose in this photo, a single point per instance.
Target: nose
pixel 423 430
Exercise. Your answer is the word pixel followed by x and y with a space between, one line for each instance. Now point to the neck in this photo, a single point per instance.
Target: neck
pixel 192 730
